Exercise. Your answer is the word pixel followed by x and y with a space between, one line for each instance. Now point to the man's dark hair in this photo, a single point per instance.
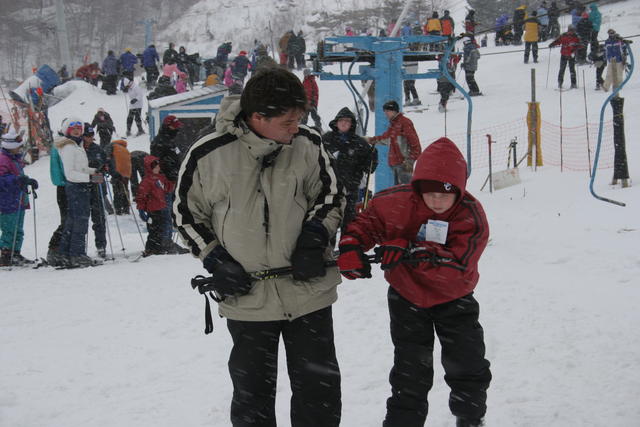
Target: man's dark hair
pixel 272 92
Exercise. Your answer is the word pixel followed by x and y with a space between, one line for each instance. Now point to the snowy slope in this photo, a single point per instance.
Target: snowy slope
pixel 122 344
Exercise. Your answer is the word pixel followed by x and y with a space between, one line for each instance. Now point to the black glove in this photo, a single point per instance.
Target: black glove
pixel 229 277
pixel 307 259
pixel 24 182
pixel 133 101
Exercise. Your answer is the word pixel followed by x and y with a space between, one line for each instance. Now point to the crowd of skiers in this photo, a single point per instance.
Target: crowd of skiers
pixel 80 170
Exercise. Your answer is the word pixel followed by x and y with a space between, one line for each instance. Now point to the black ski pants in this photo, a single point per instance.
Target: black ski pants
pixel 311 362
pixel 572 68
pixel 155 240
pixel 462 341
pixel 530 47
pixel 410 90
pixel 61 198
pixel 98 217
pixel 120 194
pixel 313 111
pixel 470 77
pixel 134 113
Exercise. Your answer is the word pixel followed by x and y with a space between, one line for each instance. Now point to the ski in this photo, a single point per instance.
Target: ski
pixel 416 110
pixel 73 267
pixel 41 263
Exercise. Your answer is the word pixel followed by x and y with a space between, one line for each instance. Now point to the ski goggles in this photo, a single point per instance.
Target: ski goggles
pixel 75 125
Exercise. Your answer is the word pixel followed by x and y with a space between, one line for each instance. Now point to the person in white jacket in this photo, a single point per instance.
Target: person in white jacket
pixel 135 96
pixel 72 249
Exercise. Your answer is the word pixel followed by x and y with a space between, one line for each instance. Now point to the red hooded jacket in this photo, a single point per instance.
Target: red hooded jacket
pixel 400 132
pixel 152 189
pixel 399 212
pixel 569 43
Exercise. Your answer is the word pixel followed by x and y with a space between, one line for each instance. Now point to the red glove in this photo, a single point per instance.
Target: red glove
pixel 352 262
pixel 391 253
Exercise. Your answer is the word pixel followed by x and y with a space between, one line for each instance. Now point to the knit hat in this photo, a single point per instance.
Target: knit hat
pixel 88 130
pixel 391 106
pixel 306 72
pixel 243 53
pixel 71 122
pixel 466 40
pixel 428 186
pixel 11 140
pixel 172 122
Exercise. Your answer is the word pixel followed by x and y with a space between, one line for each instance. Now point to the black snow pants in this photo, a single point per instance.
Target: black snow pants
pixel 470 77
pixel 462 341
pixel 572 69
pixel 311 362
pixel 61 198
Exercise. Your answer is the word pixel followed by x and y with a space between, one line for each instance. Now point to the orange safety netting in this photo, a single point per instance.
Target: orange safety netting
pixel 575 155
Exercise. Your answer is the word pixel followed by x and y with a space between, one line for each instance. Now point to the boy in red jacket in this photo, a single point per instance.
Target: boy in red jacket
pixel 569 44
pixel 446 229
pixel 151 200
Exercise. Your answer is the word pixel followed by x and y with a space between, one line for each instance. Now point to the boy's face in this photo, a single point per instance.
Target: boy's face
pixel 390 114
pixel 344 124
pixel 280 128
pixel 156 169
pixel 439 202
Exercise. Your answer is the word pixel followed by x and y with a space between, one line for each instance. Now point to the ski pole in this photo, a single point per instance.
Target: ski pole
pixel 548 68
pixel 35 228
pixel 106 223
pixel 126 191
pixel 414 256
pixel 110 196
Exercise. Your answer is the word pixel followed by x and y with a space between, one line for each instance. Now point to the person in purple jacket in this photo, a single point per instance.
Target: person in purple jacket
pixel 14 199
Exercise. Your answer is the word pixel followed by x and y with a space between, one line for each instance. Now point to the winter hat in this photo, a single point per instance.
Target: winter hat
pixel 11 140
pixel 71 122
pixel 391 106
pixel 88 130
pixel 243 53
pixel 306 72
pixel 428 186
pixel 172 122
pixel 585 15
pixel 571 28
pixel 466 40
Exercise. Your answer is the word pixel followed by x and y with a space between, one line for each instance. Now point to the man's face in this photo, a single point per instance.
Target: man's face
pixel 344 124
pixel 280 128
pixel 439 202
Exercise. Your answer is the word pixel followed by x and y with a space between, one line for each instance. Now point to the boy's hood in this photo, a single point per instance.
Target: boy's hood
pixel 441 161
pixel 147 163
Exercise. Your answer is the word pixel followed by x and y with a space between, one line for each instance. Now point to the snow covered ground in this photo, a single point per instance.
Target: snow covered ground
pixel 122 344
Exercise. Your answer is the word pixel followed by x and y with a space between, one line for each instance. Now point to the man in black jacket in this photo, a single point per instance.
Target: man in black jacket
pixel 165 148
pixel 355 158
pixel 97 159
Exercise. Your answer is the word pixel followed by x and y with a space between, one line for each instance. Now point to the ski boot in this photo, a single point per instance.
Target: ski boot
pixel 574 86
pixel 417 102
pixel 102 253
pixel 81 261
pixel 18 259
pixel 128 132
pixel 140 132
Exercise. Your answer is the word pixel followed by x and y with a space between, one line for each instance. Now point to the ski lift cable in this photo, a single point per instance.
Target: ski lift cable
pixel 353 94
pixel 600 129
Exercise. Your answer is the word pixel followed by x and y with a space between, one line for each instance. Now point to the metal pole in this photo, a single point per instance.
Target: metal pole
pixel 115 216
pixel 561 154
pixel 586 120
pixel 548 68
pixel 534 115
pixel 63 39
pixel 490 165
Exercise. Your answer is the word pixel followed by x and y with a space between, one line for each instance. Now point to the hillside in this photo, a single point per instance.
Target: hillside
pixel 122 344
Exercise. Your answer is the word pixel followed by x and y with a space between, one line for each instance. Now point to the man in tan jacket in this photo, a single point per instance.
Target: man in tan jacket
pixel 260 193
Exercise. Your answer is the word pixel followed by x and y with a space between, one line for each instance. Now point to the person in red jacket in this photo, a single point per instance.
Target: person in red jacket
pixel 444 229
pixel 151 200
pixel 90 73
pixel 569 44
pixel 403 141
pixel 313 95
